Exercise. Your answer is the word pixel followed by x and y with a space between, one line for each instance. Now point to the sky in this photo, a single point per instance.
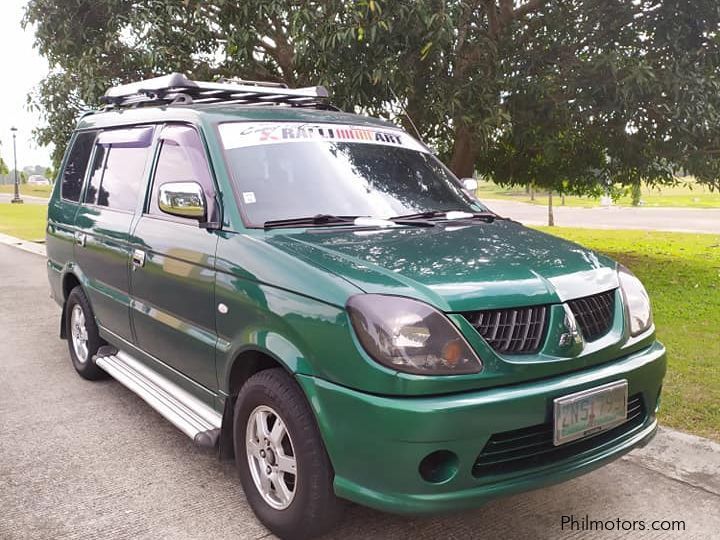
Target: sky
pixel 21 69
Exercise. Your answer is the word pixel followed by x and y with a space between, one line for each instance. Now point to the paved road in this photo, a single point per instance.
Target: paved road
pixel 27 199
pixel 91 460
pixel 702 220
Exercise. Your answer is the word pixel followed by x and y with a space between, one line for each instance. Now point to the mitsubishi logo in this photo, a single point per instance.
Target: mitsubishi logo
pixel 571 336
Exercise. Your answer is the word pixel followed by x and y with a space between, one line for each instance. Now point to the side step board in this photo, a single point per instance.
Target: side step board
pixel 196 419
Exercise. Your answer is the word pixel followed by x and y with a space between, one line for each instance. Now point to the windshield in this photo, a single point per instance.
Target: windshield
pixel 292 170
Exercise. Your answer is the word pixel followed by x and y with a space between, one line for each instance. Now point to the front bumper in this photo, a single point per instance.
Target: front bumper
pixel 376 443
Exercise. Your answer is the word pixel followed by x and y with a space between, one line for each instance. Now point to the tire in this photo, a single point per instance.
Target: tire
pixel 80 321
pixel 312 508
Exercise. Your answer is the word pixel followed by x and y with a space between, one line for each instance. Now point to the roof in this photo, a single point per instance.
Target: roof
pixel 223 112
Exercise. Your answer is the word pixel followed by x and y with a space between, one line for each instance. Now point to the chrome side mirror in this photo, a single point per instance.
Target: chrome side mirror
pixel 183 199
pixel 469 184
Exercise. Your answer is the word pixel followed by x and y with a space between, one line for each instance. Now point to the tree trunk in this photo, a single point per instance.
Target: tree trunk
pixel 532 192
pixel 462 162
pixel 551 217
pixel 636 193
pixel 562 199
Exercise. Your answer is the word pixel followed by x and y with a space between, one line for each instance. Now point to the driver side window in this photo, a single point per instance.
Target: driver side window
pixel 181 159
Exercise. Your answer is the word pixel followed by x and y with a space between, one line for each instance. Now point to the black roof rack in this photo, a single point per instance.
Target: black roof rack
pixel 176 89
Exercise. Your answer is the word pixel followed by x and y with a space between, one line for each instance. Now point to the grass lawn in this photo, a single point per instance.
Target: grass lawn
pixel 26 221
pixel 689 195
pixel 27 189
pixel 682 275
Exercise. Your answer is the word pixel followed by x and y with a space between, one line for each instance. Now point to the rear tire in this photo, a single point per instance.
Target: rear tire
pixel 82 335
pixel 273 424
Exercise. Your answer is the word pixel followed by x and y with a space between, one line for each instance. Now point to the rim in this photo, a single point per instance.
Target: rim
pixel 79 334
pixel 271 457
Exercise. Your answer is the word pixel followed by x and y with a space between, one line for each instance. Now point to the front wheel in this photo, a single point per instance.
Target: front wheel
pixel 284 469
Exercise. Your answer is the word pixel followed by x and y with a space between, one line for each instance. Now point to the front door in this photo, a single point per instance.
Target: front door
pixel 110 201
pixel 173 276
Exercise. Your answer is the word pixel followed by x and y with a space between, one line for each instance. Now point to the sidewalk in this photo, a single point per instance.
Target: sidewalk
pixel 25 245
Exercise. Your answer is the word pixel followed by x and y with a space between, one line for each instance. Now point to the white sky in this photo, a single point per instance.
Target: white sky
pixel 21 69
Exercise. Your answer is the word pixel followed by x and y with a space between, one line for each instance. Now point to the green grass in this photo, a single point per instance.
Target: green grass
pixel 26 221
pixel 685 195
pixel 26 189
pixel 682 275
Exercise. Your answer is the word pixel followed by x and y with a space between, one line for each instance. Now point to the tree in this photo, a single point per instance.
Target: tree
pixel 3 167
pixel 567 95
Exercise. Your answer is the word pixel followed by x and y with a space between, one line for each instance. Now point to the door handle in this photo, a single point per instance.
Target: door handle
pixel 138 258
pixel 80 239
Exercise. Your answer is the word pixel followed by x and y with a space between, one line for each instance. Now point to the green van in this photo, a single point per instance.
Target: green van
pixel 315 295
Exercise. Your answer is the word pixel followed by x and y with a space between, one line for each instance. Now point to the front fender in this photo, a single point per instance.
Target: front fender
pixel 268 343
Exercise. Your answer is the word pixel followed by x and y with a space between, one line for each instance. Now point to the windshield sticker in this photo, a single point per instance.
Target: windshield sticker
pixel 237 134
pixel 249 197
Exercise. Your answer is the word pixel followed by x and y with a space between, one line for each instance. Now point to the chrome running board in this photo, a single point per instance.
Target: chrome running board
pixel 193 417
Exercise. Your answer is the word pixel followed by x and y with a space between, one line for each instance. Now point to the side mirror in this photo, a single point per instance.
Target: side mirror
pixel 469 184
pixel 183 199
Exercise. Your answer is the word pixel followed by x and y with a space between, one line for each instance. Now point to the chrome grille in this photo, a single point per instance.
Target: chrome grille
pixel 529 447
pixel 511 331
pixel 594 314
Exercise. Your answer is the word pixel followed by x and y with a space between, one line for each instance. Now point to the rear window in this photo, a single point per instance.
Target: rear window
pixel 118 168
pixel 75 166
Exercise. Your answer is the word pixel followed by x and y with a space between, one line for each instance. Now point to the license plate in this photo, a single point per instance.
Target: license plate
pixel 589 412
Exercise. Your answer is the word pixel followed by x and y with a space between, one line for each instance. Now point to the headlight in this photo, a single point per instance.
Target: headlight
pixel 637 302
pixel 410 336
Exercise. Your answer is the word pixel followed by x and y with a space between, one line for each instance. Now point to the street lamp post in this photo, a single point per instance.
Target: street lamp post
pixel 16 199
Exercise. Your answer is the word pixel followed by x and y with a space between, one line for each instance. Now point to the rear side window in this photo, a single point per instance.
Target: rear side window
pixel 118 168
pixel 77 162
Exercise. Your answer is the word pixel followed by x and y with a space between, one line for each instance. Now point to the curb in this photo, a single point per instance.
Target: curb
pixel 25 245
pixel 687 458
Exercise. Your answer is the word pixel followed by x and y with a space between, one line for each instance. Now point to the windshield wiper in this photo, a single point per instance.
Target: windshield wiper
pixel 450 215
pixel 332 220
pixel 317 219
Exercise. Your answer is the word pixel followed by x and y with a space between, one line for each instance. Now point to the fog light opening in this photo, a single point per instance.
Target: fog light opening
pixel 439 467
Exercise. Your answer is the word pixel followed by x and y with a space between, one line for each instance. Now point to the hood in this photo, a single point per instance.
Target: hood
pixel 456 267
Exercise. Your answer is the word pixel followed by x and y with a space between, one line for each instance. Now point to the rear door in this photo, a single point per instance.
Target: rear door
pixel 119 167
pixel 173 276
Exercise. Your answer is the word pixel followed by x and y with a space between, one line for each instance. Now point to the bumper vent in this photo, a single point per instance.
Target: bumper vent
pixel 594 314
pixel 511 331
pixel 513 451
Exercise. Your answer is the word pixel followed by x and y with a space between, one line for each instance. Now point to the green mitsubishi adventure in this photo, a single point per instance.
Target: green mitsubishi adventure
pixel 313 294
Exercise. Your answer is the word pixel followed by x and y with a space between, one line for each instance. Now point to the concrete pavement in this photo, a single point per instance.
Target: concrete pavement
pixel 91 460
pixel 693 220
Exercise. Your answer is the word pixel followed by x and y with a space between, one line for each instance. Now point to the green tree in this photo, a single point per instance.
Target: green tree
pixel 3 167
pixel 569 95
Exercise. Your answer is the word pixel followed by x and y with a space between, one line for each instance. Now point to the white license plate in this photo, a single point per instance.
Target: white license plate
pixel 590 411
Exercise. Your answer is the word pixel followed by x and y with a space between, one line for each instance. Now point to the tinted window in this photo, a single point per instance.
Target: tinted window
pixel 117 172
pixel 96 174
pixel 181 159
pixel 74 172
